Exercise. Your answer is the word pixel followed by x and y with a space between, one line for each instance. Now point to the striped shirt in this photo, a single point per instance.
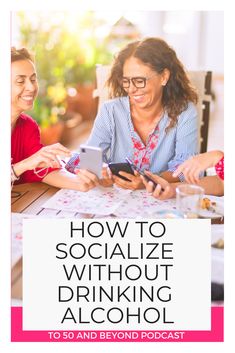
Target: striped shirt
pixel 113 130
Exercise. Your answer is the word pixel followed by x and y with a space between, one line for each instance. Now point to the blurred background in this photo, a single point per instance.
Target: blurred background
pixel 69 45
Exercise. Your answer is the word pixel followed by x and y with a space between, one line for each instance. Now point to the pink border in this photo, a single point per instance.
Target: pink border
pixel 216 334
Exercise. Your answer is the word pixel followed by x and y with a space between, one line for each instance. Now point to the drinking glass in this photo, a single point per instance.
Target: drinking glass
pixel 188 200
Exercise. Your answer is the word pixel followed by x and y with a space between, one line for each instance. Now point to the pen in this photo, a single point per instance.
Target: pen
pixel 62 161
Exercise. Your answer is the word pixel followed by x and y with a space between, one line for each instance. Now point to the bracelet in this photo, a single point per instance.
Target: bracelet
pixel 13 174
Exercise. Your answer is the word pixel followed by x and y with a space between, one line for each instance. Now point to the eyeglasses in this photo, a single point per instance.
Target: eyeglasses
pixel 138 82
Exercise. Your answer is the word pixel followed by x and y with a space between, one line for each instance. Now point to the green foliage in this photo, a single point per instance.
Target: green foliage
pixel 65 57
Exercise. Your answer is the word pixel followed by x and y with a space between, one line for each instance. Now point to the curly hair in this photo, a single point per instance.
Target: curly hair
pixel 158 55
pixel 21 54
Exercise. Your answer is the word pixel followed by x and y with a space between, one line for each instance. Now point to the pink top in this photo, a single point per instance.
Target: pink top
pixel 25 141
pixel 219 167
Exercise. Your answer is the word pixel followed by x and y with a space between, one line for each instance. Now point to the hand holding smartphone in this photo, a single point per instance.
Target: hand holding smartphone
pixel 147 178
pixel 89 158
pixel 121 167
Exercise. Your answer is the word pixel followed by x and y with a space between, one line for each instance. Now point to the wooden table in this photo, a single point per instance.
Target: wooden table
pixel 27 198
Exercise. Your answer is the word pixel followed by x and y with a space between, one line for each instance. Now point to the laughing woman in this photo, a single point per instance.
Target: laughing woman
pixel 31 161
pixel 151 118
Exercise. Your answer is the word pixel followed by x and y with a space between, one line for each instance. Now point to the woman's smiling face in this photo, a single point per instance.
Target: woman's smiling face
pixel 24 85
pixel 152 92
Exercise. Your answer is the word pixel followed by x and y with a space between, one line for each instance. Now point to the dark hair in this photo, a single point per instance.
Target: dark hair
pixel 158 55
pixel 21 54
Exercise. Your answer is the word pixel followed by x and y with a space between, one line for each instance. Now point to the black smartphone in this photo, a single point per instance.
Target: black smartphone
pixel 121 167
pixel 134 167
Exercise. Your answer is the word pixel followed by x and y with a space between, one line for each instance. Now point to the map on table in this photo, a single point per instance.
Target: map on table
pixel 106 201
pixel 140 203
pixel 102 201
pixel 112 201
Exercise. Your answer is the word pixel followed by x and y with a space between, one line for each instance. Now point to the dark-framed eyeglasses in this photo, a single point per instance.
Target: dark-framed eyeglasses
pixel 138 81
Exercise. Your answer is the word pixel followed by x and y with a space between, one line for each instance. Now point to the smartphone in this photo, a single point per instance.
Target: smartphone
pixel 134 167
pixel 121 167
pixel 91 159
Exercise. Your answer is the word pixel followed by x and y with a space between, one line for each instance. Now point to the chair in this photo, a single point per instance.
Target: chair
pixel 201 80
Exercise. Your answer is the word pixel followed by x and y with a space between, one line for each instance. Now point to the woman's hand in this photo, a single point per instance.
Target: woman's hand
pixel 192 168
pixel 44 158
pixel 163 190
pixel 81 181
pixel 134 183
pixel 47 157
pixel 107 178
pixel 86 180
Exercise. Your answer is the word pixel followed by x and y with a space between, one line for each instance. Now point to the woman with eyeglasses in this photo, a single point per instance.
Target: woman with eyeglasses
pixel 31 161
pixel 151 118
